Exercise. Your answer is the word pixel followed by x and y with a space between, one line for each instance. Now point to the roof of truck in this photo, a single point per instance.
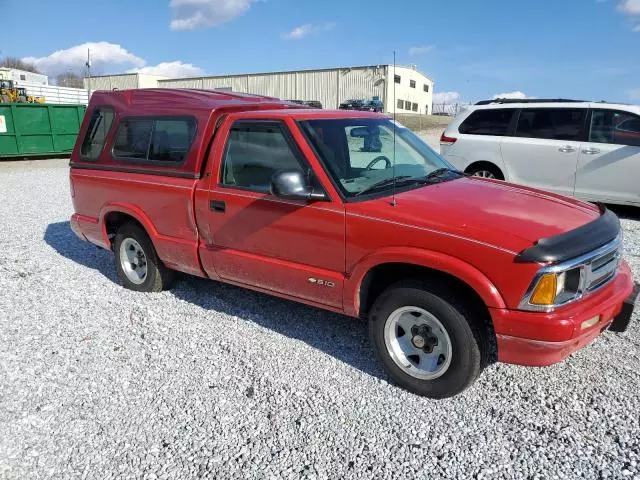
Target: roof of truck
pixel 140 100
pixel 185 98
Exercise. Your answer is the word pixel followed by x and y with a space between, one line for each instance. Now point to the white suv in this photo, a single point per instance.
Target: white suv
pixel 587 150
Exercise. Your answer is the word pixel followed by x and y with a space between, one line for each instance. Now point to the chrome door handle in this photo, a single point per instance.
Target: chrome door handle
pixel 567 149
pixel 590 151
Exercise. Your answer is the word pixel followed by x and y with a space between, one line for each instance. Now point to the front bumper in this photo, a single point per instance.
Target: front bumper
pixel 539 339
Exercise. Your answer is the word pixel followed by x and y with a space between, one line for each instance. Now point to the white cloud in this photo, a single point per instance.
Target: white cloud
pixel 175 69
pixel 194 14
pixel 440 98
pixel 517 95
pixel 630 7
pixel 108 58
pixel 103 55
pixel 634 94
pixel 307 29
pixel 420 50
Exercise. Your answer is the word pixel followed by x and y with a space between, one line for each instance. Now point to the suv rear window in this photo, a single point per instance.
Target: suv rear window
pixel 488 122
pixel 93 141
pixel 162 140
pixel 551 123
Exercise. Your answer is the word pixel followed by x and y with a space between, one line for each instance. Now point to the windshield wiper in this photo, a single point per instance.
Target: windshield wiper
pixel 402 180
pixel 439 172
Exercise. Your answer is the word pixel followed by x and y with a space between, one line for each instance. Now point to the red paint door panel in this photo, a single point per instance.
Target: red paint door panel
pixel 278 245
pixel 293 247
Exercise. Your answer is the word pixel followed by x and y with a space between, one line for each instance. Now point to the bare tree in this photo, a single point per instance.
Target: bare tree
pixel 14 62
pixel 69 79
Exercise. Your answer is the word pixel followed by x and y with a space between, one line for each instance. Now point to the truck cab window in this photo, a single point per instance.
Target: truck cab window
pixel 94 137
pixel 255 151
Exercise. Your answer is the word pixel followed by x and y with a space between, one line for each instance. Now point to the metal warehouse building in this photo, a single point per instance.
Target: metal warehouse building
pixel 331 86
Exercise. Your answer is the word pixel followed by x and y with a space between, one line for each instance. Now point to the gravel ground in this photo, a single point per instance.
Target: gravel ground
pixel 213 381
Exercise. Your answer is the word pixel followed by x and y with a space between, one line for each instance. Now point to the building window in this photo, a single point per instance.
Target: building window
pixel 162 140
pixel 426 88
pixel 400 104
pixel 396 78
pixel 23 77
pixel 407 105
pixel 412 83
pixel 414 107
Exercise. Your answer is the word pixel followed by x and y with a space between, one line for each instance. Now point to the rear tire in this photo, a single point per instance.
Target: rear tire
pixel 486 170
pixel 137 262
pixel 425 339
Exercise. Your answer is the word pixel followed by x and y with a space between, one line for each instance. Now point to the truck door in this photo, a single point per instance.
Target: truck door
pixel 290 247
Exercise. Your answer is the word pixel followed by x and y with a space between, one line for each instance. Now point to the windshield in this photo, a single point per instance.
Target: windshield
pixel 359 154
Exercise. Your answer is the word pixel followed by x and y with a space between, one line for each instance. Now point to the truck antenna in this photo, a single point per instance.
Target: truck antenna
pixel 393 171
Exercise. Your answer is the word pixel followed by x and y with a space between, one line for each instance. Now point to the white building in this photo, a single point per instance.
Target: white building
pixel 122 81
pixel 23 76
pixel 331 86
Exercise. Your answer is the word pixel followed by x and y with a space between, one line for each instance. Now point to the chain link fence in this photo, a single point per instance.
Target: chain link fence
pixel 449 109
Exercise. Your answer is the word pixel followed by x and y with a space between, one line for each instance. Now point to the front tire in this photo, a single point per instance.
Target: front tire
pixel 424 339
pixel 137 262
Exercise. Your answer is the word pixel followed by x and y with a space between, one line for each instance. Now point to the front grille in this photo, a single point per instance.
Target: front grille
pixel 601 270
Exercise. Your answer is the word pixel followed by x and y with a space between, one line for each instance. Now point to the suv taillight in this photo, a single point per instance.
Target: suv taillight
pixel 444 140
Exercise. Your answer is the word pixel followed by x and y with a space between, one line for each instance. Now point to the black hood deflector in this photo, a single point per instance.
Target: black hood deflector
pixel 574 243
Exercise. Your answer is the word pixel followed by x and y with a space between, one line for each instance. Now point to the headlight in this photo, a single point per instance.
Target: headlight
pixel 561 283
pixel 553 289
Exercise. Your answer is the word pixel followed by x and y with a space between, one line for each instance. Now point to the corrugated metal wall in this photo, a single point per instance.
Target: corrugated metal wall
pixel 318 85
pixel 181 83
pixel 238 83
pixel 330 87
pixel 56 95
pixel 362 83
pixel 121 82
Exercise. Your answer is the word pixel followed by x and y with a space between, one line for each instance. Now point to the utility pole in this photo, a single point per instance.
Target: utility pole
pixel 89 72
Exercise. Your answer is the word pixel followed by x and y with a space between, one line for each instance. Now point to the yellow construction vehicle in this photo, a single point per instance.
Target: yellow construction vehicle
pixel 12 94
pixel 5 95
pixel 32 99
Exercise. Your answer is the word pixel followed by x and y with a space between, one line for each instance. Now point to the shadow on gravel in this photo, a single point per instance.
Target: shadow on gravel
pixel 625 211
pixel 344 338
pixel 61 238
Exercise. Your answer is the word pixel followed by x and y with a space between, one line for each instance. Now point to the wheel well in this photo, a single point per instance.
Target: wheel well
pixel 487 165
pixel 114 220
pixel 382 276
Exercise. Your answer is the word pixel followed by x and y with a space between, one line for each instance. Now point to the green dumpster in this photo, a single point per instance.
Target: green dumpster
pixel 31 129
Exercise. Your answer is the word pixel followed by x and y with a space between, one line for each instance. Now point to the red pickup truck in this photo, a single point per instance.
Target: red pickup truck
pixel 351 212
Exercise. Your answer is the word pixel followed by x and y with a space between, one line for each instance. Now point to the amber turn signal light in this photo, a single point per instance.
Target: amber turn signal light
pixel 545 291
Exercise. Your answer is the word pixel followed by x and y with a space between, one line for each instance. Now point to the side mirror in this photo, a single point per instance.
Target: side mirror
pixel 290 184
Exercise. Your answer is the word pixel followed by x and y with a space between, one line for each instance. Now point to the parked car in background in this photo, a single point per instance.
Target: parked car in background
pixel 373 105
pixel 583 149
pixel 308 103
pixel 350 212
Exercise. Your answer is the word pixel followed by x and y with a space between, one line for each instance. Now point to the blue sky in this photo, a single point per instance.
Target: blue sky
pixel 472 49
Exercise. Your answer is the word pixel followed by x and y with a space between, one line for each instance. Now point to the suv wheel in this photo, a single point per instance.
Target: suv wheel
pixel 424 339
pixel 486 171
pixel 137 263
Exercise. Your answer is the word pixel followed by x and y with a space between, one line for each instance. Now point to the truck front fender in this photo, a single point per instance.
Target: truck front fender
pixel 453 266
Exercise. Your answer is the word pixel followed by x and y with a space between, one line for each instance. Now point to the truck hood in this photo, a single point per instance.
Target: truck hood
pixel 508 216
